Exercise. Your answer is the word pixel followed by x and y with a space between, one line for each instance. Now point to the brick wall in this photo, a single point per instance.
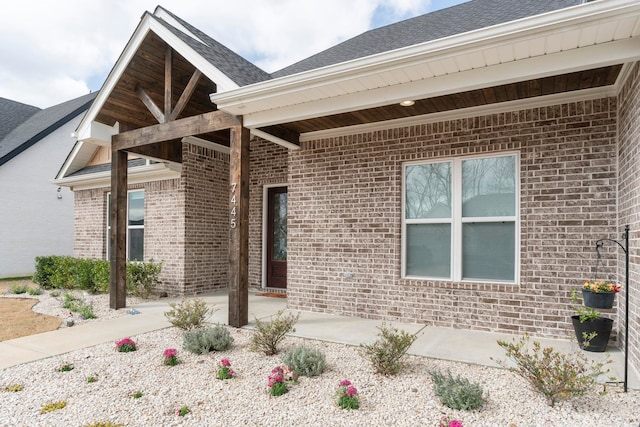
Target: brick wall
pixel 90 223
pixel 268 166
pixel 345 197
pixel 205 175
pixel 629 200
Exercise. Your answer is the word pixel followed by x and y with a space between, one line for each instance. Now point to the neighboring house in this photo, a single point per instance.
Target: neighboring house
pixel 454 169
pixel 36 217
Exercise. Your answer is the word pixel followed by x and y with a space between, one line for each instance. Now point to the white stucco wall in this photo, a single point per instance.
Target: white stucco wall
pixel 33 221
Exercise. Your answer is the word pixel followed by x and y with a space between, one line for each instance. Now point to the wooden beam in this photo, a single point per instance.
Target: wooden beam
pixel 168 65
pixel 165 150
pixel 118 232
pixel 186 95
pixel 239 228
pixel 151 106
pixel 189 126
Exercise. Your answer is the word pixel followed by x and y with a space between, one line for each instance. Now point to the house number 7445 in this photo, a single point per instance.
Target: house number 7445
pixel 232 221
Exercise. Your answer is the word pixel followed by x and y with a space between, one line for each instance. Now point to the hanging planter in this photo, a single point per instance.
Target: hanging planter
pixel 601 326
pixel 598 299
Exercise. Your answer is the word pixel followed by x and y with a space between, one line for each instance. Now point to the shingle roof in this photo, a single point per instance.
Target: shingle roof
pixel 238 69
pixel 106 167
pixel 12 114
pixel 462 18
pixel 41 124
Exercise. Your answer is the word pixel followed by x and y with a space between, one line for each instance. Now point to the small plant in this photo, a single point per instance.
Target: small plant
pixel 66 367
pixel 78 306
pixel 18 289
pixel 457 392
pixel 600 286
pixel 448 422
pixel 585 313
pixel 92 378
pixel 188 314
pixel 142 277
pixel 35 291
pixel 14 388
pixel 277 385
pixel 205 340
pixel 307 362
pixel 171 357
pixel 53 406
pixel 224 370
pixel 555 375
pixel 137 395
pixel 347 395
pixel 387 352
pixel 184 410
pixel 54 293
pixel 268 335
pixel 104 424
pixel 126 345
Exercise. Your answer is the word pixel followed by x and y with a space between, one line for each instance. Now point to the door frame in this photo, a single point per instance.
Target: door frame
pixel 265 216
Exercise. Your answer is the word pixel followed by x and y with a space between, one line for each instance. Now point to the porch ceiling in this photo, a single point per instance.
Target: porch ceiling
pixel 146 71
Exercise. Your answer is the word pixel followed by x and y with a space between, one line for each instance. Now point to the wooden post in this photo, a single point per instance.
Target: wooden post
pixel 239 228
pixel 118 234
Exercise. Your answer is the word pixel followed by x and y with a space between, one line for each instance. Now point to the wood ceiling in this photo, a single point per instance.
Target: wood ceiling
pixel 147 72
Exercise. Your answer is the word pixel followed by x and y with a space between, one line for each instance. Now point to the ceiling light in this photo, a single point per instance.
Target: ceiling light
pixel 407 103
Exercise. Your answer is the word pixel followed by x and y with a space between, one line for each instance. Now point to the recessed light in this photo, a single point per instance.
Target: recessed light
pixel 407 103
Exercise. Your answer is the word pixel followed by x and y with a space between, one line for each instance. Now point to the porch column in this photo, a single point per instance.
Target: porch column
pixel 239 228
pixel 118 232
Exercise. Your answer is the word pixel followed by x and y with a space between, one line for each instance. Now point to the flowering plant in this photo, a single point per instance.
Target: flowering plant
pixel 171 357
pixel 182 411
pixel 125 345
pixel 347 395
pixel 448 422
pixel 600 286
pixel 224 370
pixel 279 375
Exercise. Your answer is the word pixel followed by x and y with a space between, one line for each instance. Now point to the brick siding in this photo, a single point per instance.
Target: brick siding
pixel 345 196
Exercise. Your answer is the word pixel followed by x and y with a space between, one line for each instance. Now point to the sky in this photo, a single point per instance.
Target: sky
pixel 54 51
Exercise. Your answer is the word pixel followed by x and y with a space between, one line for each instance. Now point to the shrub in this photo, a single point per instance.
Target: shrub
pixel 188 314
pixel 53 406
pixel 142 277
pixel 457 392
pixel 45 266
pixel 63 276
pixel 387 352
pixel 18 289
pixel 557 376
pixel 101 274
pixel 34 291
pixel 268 335
pixel 78 306
pixel 205 340
pixel 308 362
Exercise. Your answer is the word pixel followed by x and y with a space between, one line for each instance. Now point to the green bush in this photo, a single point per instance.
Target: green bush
pixel 205 340
pixel 188 314
pixel 457 392
pixel 63 276
pixel 305 361
pixel 45 266
pixel 76 305
pixel 557 376
pixel 18 289
pixel 34 291
pixel 387 352
pixel 142 277
pixel 268 335
pixel 101 274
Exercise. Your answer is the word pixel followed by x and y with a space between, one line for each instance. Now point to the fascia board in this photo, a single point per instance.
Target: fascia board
pixel 239 101
pixel 136 175
pixel 536 67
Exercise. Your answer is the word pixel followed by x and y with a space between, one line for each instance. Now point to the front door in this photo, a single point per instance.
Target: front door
pixel 277 237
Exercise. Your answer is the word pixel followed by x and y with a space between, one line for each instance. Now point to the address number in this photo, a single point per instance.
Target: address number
pixel 232 213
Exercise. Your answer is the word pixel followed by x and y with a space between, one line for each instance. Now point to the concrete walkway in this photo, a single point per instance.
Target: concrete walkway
pixel 442 343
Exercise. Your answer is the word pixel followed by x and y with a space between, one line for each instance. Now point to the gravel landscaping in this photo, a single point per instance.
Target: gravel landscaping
pixel 404 400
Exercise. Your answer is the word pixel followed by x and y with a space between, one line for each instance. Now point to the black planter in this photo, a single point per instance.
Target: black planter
pixel 601 326
pixel 598 299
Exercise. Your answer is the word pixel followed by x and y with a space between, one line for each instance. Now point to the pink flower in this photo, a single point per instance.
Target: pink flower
pixel 231 373
pixel 344 383
pixel 351 391
pixel 170 352
pixel 455 423
pixel 225 362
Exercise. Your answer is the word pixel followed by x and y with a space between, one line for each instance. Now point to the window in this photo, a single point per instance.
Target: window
pixel 461 219
pixel 135 225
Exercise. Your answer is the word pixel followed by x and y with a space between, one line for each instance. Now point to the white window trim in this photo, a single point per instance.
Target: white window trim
pixel 457 220
pixel 265 216
pixel 129 227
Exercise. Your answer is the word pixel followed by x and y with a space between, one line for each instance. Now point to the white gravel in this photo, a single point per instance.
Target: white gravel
pixel 404 400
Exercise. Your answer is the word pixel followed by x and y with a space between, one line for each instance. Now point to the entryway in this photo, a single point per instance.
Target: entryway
pixel 276 237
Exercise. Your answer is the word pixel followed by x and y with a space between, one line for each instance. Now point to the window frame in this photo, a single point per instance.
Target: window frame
pixel 129 227
pixel 457 220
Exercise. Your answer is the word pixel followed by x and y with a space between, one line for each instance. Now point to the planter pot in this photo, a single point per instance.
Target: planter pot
pixel 598 299
pixel 601 326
